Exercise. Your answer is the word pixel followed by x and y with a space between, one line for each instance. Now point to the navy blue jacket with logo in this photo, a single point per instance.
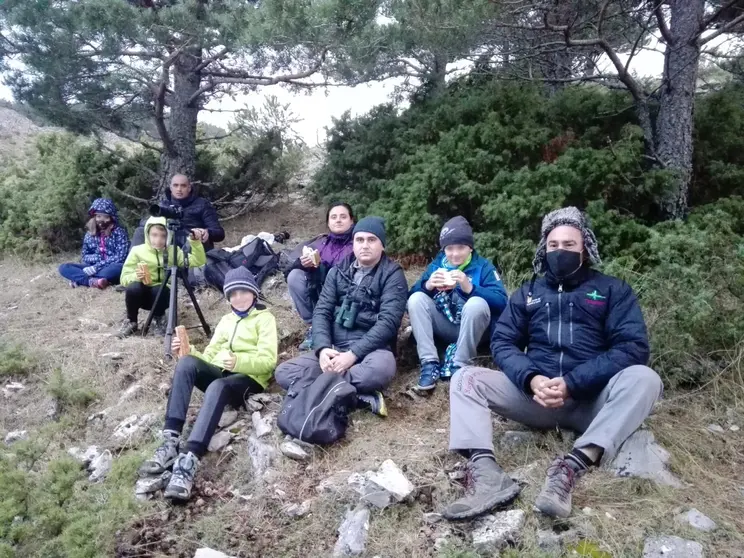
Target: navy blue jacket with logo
pixel 586 332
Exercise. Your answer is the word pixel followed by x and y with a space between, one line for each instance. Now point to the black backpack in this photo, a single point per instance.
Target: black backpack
pixel 257 256
pixel 317 411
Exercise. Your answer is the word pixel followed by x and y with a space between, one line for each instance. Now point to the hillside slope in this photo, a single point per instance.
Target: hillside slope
pixel 85 383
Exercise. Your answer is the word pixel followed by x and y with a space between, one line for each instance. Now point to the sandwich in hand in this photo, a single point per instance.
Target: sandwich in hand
pixel 183 336
pixel 146 278
pixel 312 253
pixel 449 281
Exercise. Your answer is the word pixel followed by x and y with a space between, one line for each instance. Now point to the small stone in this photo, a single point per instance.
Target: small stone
pixel 261 426
pixel 294 451
pixel 549 541
pixel 494 532
pixel 608 515
pixel 389 477
pixel 441 431
pixel 219 441
pixel 432 518
pixel 15 387
pixel 200 503
pixel 132 425
pixel 84 456
pixel 734 428
pixel 112 356
pixel 587 511
pixel 98 416
pixel 515 438
pixel 16 436
pixel 697 520
pixel 640 456
pixel 671 547
pixel 164 388
pixel 456 476
pixel 148 485
pixel 253 406
pixel 717 428
pixel 334 484
pixel 209 553
pixel 130 392
pixel 380 499
pixel 229 416
pixel 299 510
pixel 352 534
pixel 100 466
pixel 262 455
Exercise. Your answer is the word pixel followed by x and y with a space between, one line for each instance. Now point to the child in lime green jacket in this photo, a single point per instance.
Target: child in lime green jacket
pixel 239 360
pixel 141 294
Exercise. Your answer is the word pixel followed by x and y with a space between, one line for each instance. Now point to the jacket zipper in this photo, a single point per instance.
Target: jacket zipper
pixel 547 306
pixel 330 391
pixel 157 257
pixel 235 330
pixel 570 317
pixel 560 328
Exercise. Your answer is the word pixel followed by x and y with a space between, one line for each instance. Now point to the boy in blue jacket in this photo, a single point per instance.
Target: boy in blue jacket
pixel 456 299
pixel 573 351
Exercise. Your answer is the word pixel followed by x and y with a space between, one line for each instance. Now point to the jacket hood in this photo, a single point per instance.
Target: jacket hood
pixel 103 205
pixel 156 221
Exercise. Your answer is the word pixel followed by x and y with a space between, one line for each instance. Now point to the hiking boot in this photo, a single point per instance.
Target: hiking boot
pixel 182 480
pixel 374 402
pixel 127 328
pixel 98 283
pixel 163 458
pixel 307 341
pixel 486 487
pixel 555 498
pixel 429 376
pixel 159 324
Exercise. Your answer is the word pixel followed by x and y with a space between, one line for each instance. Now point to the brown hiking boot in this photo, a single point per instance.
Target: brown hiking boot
pixel 486 487
pixel 555 498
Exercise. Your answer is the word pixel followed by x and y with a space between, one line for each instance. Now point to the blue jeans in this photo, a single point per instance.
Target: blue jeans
pixel 74 272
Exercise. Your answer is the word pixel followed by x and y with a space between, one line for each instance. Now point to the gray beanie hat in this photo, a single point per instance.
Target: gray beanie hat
pixel 572 217
pixel 240 278
pixel 456 231
pixel 373 225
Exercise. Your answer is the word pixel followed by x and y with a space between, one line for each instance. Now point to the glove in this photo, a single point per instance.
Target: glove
pixel 90 270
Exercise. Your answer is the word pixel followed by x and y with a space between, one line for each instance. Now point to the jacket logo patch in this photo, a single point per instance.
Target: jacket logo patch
pixel 532 301
pixel 496 274
pixel 595 299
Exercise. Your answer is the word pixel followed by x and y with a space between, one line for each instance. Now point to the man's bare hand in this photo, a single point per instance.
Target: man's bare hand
pixel 326 359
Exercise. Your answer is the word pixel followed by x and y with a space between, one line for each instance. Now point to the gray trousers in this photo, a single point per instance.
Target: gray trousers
pixel 300 293
pixel 428 322
pixel 605 421
pixel 220 388
pixel 373 373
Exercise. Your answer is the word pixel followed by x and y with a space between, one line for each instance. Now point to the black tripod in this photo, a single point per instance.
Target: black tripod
pixel 173 272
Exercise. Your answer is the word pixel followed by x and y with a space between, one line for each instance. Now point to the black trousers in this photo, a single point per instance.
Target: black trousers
pixel 220 387
pixel 141 296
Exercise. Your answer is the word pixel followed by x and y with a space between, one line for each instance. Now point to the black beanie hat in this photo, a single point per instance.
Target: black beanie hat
pixel 456 231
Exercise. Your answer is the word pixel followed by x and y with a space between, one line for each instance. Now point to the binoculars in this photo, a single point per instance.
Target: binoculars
pixel 347 313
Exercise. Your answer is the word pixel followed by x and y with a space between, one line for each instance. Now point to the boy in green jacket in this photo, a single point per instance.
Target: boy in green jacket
pixel 141 292
pixel 239 360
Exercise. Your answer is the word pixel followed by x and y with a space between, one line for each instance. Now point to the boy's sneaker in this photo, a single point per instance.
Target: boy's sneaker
pixel 98 283
pixel 159 324
pixel 307 341
pixel 163 458
pixel 127 328
pixel 73 285
pixel 429 376
pixel 182 480
pixel 374 402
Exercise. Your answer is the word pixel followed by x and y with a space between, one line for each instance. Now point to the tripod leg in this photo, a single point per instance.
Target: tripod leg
pixel 150 316
pixel 172 315
pixel 189 289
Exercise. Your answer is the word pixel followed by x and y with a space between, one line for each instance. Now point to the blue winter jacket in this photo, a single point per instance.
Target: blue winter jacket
pixel 99 250
pixel 586 332
pixel 486 283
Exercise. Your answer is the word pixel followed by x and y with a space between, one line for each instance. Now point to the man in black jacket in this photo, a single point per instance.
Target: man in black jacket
pixel 199 216
pixel 356 320
pixel 572 347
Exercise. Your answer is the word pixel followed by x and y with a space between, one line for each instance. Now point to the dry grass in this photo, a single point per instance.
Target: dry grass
pixel 40 312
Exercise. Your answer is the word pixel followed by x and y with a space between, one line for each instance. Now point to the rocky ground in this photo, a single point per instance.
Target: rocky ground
pixel 676 489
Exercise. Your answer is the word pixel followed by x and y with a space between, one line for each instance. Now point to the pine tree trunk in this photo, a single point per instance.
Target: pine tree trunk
pixel 179 155
pixel 674 126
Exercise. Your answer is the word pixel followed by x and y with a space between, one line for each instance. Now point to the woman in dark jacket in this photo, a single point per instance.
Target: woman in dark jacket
pixel 305 278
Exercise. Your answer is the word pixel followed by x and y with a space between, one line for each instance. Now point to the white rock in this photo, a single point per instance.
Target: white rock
pixel 262 455
pixel 734 428
pixel 671 547
pixel 494 532
pixel 16 436
pixel 130 392
pixel 84 456
pixel 431 518
pixel 148 485
pixel 352 534
pixel 97 416
pixel 640 456
pixel 294 451
pixel 15 387
pixel 261 426
pixel 697 520
pixel 514 438
pixel 209 553
pixel 133 425
pixel 389 477
pixel 112 356
pixel 717 428
pixel 100 466
pixel 299 510
pixel 219 441
pixel 229 416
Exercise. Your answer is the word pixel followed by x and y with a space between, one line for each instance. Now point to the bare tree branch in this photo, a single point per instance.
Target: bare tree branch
pixel 666 33
pixel 715 15
pixel 721 30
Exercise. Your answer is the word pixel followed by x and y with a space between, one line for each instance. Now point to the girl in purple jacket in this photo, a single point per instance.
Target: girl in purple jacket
pixel 305 279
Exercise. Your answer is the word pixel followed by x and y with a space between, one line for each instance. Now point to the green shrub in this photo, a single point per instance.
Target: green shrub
pixel 70 393
pixel 14 361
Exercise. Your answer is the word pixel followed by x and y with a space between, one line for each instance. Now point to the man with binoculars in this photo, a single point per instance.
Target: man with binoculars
pixel 356 320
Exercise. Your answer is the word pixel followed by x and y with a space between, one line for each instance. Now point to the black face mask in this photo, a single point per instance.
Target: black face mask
pixel 563 263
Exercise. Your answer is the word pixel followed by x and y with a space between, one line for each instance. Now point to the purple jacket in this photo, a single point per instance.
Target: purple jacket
pixel 334 247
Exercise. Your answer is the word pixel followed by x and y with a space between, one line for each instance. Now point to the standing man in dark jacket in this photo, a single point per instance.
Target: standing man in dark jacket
pixel 199 216
pixel 584 368
pixel 356 320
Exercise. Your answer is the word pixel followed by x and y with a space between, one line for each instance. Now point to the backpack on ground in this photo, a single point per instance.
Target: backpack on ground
pixel 317 411
pixel 257 256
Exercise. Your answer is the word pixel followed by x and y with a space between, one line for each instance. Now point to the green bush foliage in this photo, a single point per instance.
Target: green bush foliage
pixel 504 155
pixel 15 361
